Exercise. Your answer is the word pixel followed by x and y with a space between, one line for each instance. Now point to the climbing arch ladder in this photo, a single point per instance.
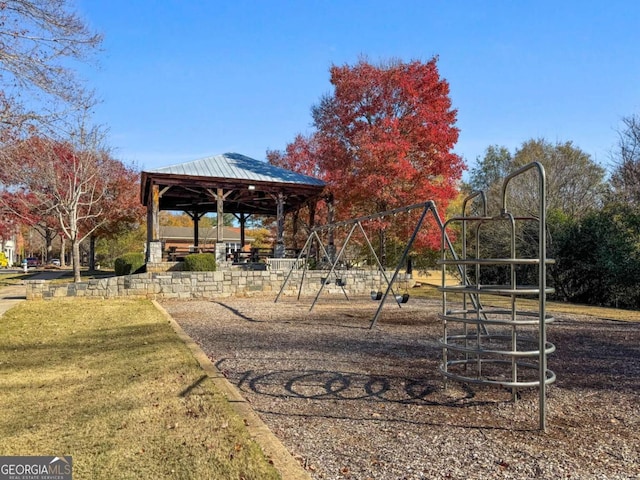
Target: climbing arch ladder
pixel 505 345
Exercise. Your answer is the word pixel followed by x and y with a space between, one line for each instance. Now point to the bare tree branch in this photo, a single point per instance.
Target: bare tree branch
pixel 39 41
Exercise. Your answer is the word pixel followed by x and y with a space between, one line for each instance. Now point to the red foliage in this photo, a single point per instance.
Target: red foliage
pixel 120 202
pixel 384 139
pixel 77 191
pixel 302 156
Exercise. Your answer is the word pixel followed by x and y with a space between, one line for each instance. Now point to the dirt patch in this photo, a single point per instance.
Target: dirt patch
pixel 359 403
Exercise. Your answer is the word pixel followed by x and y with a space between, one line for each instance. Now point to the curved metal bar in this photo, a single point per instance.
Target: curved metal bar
pixel 509 355
pixel 549 376
pixel 542 273
pixel 541 187
pixel 496 289
pixel 473 195
pixel 534 320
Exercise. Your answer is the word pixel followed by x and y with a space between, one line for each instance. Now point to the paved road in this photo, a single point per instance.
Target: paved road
pixel 13 294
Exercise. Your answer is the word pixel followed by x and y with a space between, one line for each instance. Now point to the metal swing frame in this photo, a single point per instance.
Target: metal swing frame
pixel 356 223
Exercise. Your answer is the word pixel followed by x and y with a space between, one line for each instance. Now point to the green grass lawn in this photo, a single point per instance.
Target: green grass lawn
pixel 66 275
pixel 112 385
pixel 85 275
pixel 12 278
pixel 431 291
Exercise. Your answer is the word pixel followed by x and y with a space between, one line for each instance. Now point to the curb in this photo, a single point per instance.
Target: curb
pixel 272 447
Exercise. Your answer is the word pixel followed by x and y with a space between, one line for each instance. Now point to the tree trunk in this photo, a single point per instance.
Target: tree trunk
pixel 48 240
pixel 63 252
pixel 331 210
pixel 92 252
pixel 383 247
pixel 75 253
pixel 312 215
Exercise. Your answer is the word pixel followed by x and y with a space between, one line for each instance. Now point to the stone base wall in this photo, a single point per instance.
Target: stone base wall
pixel 160 285
pixel 161 267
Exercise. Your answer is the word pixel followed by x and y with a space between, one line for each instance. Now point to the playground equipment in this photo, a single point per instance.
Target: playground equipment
pixel 357 225
pixel 514 353
pixel 505 346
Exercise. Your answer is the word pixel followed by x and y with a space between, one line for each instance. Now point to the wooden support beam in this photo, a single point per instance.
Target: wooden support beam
pixel 279 249
pixel 220 215
pixel 195 216
pixel 153 214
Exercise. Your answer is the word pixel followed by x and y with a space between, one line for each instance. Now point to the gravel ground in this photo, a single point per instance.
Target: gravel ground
pixel 353 403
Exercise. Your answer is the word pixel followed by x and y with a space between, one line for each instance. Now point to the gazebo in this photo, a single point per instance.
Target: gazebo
pixel 226 183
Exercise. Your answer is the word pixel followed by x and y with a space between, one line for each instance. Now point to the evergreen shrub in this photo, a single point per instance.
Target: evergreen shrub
pixel 200 262
pixel 128 263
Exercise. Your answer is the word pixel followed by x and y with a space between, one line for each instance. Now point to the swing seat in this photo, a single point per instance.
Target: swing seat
pixel 404 298
pixel 340 282
pixel 376 295
pixel 325 281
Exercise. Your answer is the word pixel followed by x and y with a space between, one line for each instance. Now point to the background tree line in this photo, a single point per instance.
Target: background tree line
pixel 593 219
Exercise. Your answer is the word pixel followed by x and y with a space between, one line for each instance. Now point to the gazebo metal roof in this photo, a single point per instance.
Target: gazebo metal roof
pixel 249 184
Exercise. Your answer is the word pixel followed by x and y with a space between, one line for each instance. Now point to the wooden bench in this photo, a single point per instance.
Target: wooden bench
pixel 285 264
pixel 253 256
pixel 177 254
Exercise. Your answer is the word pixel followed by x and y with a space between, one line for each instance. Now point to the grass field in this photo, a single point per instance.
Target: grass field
pixel 111 384
pixel 431 280
pixel 12 278
pixel 66 275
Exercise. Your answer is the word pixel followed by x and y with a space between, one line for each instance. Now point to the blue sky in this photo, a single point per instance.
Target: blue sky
pixel 180 80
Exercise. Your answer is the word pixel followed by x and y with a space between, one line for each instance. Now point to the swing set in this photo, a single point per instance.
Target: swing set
pixel 356 225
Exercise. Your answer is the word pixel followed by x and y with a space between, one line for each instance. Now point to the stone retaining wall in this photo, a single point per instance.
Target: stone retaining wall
pixel 207 284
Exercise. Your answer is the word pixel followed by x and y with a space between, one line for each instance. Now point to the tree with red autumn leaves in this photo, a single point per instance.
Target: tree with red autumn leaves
pixel 79 184
pixel 383 139
pixel 302 156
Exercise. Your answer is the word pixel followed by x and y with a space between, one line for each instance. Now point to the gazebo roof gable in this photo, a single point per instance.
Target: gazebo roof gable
pixel 248 186
pixel 238 167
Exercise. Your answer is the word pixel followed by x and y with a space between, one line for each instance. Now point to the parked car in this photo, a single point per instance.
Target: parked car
pixel 32 262
pixel 55 262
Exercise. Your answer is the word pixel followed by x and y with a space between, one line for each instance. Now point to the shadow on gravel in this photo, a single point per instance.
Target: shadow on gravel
pixel 238 313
